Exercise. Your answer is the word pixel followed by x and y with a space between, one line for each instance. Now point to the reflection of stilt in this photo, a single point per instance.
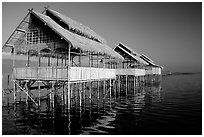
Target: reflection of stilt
pixel 134 80
pixel 39 94
pixel 126 84
pixel 69 123
pixel 62 96
pixel 115 88
pixel 90 91
pixel 119 85
pixel 68 95
pixel 104 88
pixel 80 92
pixel 110 88
pixel 98 93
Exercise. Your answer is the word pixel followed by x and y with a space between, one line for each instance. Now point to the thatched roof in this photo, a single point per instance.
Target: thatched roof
pixel 149 61
pixel 126 52
pixel 86 31
pixel 147 58
pixel 141 58
pixel 77 41
pixel 127 55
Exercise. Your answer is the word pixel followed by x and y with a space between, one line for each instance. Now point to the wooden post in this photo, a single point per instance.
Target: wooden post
pixel 80 92
pixel 62 59
pixel 53 96
pixel 97 61
pixel 65 61
pixel 28 61
pixel 14 91
pixel 57 58
pixel 68 78
pixel 63 94
pixel 50 97
pixel 39 57
pixel 84 93
pixel 65 98
pixel 27 90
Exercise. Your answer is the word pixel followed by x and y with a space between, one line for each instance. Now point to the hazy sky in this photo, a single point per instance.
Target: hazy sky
pixel 169 33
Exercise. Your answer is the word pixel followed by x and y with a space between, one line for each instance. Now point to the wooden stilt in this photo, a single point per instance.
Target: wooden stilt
pixel 53 96
pixel 27 90
pixel 62 96
pixel 14 91
pixel 68 73
pixel 50 97
pixel 84 91
pixel 80 92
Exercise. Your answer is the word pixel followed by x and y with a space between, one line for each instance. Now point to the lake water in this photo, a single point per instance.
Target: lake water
pixel 170 107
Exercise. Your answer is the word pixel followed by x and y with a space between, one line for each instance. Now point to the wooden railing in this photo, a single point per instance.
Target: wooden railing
pixel 61 73
pixel 78 73
pixel 134 72
pixel 153 70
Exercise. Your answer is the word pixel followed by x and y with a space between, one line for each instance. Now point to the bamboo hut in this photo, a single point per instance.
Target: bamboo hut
pixel 134 61
pixel 65 52
pixel 61 40
pixel 132 64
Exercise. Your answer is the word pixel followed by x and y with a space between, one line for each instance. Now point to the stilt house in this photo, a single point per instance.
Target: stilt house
pixel 65 49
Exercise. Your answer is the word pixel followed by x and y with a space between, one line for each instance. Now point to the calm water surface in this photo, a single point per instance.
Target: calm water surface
pixel 173 106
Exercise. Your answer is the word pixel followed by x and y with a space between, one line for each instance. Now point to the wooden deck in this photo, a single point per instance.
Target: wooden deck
pixel 61 73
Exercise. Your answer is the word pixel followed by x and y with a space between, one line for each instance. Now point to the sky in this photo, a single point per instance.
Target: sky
pixel 169 33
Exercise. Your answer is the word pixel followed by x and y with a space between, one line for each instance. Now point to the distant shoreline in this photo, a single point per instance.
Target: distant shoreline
pixel 181 73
